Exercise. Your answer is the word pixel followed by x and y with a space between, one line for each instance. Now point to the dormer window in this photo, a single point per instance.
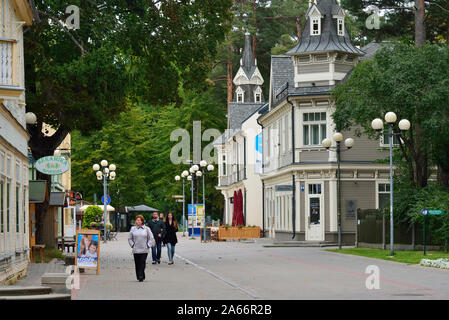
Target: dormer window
pixel 341 27
pixel 240 94
pixel 258 95
pixel 315 27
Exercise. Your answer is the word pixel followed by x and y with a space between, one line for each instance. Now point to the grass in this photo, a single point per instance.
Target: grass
pixel 410 257
pixel 49 254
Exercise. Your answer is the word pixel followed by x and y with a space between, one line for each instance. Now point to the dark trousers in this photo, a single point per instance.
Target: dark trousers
pixel 140 259
pixel 157 249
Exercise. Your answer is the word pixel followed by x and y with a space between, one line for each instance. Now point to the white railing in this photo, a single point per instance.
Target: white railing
pixel 6 77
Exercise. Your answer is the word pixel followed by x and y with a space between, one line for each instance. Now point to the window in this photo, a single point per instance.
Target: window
pixel 8 207
pixel 223 170
pixel 8 167
pixel 314 188
pixel 315 28
pixel 17 209
pixel 2 162
pixel 314 128
pixel 239 97
pixel 257 99
pixel 385 140
pixel 2 209
pixel 24 210
pixel 383 195
pixel 340 27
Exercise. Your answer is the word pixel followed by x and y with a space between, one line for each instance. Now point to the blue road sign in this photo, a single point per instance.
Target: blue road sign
pixel 108 200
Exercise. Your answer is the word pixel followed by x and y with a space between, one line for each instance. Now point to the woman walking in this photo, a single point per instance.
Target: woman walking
pixel 140 239
pixel 170 239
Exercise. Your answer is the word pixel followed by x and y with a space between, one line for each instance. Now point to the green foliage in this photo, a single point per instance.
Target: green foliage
pixel 410 81
pixel 399 21
pixel 138 142
pixel 89 215
pixel 76 79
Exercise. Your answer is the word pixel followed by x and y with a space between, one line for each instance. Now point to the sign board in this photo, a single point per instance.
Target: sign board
pixel 283 188
pixel 179 200
pixel 258 154
pixel 195 215
pixel 302 187
pixel 178 196
pixel 426 212
pixel 108 200
pixel 351 208
pixel 52 165
pixel 88 249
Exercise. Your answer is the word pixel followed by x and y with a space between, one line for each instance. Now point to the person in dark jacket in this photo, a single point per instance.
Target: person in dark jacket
pixel 157 227
pixel 170 239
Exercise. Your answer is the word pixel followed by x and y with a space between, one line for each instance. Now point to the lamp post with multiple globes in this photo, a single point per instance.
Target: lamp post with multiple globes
pixel 104 173
pixel 378 125
pixel 349 143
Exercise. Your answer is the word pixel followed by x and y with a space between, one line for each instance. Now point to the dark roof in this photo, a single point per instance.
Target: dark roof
pixel 328 40
pixel 282 71
pixel 57 199
pixel 239 111
pixel 37 191
pixel 248 60
pixel 371 49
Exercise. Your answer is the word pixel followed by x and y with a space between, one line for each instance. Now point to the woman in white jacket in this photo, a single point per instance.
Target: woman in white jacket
pixel 140 239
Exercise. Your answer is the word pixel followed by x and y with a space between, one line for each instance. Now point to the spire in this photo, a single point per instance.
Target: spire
pixel 248 60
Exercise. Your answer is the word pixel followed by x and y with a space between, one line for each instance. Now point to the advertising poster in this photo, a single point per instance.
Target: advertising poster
pixel 88 249
pixel 258 154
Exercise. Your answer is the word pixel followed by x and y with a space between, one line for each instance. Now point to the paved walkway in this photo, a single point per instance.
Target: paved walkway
pixel 233 271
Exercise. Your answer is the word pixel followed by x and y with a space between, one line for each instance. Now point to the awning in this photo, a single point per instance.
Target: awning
pixel 141 208
pixel 37 191
pixel 57 199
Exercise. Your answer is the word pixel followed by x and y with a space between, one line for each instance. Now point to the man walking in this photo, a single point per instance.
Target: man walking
pixel 157 227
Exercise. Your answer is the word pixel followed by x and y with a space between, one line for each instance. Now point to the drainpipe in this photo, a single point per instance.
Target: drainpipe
pixel 293 177
pixel 263 187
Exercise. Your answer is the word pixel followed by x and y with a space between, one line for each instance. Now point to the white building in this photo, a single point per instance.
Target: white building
pixel 238 169
pixel 14 232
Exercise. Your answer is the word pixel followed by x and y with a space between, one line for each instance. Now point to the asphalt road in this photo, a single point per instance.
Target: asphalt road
pixel 233 271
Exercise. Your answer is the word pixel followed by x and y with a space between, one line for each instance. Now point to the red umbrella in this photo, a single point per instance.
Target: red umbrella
pixel 235 208
pixel 241 217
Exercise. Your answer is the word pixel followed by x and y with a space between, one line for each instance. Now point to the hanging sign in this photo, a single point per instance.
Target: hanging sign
pixel 52 165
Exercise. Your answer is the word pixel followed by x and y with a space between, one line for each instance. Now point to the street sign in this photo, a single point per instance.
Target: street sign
pixel 425 212
pixel 108 200
pixel 52 165
pixel 178 196
pixel 179 200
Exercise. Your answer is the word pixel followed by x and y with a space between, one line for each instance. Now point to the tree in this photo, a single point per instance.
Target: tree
pixel 401 21
pixel 75 79
pixel 412 82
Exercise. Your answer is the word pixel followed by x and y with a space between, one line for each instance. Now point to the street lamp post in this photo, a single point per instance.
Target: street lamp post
pixel 184 175
pixel 378 125
pixel 349 143
pixel 205 167
pixel 104 173
pixel 190 178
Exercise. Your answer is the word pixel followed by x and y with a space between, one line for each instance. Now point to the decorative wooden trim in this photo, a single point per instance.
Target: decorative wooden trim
pixel 23 11
pixel 11 91
pixel 5 112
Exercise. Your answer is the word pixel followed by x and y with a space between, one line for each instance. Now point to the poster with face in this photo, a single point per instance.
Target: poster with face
pixel 87 249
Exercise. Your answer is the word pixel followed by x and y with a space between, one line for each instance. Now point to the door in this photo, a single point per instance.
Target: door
pixel 315 217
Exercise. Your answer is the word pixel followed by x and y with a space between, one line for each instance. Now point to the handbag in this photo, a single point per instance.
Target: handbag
pixel 148 238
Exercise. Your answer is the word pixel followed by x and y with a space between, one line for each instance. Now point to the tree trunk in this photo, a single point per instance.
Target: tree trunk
pixel 420 27
pixel 443 176
pixel 298 28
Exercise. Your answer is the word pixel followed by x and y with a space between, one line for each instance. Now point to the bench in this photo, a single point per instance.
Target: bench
pixel 40 248
pixel 69 242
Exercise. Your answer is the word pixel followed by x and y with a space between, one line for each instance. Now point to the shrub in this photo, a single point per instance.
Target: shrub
pixel 89 215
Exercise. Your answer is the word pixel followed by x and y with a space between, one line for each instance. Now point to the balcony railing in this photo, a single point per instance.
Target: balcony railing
pixel 6 74
pixel 236 176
